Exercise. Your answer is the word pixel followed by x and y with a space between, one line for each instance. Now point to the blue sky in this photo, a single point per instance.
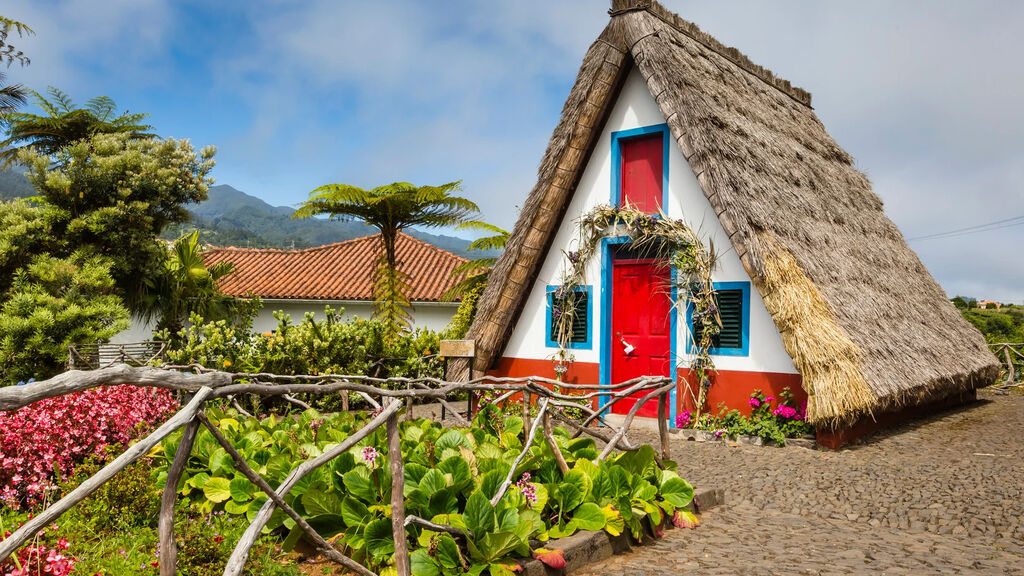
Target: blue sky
pixel 923 93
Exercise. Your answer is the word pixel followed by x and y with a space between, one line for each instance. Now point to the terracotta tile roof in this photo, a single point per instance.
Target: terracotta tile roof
pixel 341 271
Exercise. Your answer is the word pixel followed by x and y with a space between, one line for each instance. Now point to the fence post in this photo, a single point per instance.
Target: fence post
pixel 663 424
pixel 402 565
pixel 1010 374
pixel 165 526
pixel 526 413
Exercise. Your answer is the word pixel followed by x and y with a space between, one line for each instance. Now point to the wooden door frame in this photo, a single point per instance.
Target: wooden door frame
pixel 605 341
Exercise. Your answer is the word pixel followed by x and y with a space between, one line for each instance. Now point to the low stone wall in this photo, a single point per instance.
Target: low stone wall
pixel 586 547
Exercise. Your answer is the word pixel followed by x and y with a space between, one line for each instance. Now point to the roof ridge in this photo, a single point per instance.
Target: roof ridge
pixel 730 53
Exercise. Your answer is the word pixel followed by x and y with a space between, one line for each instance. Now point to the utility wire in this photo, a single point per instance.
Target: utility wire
pixel 998 224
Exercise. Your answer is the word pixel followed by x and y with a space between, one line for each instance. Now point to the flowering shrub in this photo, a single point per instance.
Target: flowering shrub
pixel 784 420
pixel 45 440
pixel 44 555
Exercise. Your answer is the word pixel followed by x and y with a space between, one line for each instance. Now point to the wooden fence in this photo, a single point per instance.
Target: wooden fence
pixel 388 396
pixel 1012 357
pixel 96 356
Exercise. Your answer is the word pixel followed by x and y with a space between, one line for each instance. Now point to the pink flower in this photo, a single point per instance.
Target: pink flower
pixel 754 402
pixel 528 490
pixel 52 436
pixel 370 455
pixel 683 419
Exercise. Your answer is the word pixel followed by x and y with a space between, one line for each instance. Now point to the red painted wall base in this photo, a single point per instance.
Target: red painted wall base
pixel 732 389
pixel 836 439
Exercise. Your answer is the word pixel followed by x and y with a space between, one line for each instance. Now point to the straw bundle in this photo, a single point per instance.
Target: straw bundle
pixel 829 362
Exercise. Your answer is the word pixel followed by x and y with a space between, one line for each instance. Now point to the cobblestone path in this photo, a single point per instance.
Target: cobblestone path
pixel 943 495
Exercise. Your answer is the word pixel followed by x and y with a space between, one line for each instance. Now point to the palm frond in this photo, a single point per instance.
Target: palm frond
pixel 101 107
pixel 470 267
pixel 480 226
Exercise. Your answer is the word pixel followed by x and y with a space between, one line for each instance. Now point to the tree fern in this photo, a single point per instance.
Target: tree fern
pixel 390 209
pixel 63 124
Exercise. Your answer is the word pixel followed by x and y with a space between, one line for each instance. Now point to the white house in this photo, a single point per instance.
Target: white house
pixel 337 275
pixel 665 118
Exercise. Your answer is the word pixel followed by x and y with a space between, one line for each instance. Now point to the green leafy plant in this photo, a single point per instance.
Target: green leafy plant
pixel 452 477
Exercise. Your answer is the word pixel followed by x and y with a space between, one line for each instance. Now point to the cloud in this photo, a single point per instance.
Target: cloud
pixel 924 93
pixel 86 48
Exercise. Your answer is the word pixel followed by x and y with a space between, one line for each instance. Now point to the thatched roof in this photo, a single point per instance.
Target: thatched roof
pixel 867 326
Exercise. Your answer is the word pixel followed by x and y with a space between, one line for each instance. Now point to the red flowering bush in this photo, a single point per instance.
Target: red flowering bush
pixel 45 440
pixel 44 555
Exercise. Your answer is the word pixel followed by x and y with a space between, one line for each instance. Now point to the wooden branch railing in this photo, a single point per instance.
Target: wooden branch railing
pixel 387 395
pixel 1012 357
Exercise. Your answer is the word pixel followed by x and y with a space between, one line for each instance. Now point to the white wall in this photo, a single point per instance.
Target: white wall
pixel 636 108
pixel 432 315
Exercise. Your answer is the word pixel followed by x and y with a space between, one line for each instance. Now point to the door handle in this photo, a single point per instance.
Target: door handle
pixel 627 348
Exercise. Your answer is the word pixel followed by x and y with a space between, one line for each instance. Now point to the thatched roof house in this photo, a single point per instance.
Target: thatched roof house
pixel 866 328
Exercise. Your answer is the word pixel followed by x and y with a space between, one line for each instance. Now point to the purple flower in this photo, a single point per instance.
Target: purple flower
pixel 370 455
pixel 719 434
pixel 526 489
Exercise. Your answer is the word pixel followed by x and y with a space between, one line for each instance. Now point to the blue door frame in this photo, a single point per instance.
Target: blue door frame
pixel 605 344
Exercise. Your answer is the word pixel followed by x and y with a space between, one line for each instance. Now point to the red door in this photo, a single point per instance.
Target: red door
pixel 641 326
pixel 643 173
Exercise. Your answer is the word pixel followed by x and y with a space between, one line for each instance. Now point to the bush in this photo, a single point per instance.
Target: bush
pixel 52 304
pixel 48 439
pixel 785 420
pixel 130 501
pixel 328 346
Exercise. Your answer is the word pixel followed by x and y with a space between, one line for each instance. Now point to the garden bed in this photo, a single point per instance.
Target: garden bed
pixel 465 500
pixel 714 436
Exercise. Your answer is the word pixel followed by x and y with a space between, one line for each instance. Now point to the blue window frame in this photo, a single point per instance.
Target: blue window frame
pixel 737 322
pixel 617 138
pixel 586 326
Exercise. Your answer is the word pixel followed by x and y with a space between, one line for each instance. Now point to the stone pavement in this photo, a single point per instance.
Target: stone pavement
pixel 944 495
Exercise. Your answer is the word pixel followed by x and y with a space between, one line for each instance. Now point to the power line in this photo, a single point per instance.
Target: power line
pixel 996 225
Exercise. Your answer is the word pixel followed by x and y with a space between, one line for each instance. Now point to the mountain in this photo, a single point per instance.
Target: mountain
pixel 230 217
pixel 13 184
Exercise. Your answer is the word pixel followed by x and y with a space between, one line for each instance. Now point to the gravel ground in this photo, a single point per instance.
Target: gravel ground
pixel 943 495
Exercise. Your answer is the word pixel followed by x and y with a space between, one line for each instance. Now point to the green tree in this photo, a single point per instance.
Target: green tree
pixel 391 209
pixel 114 194
pixel 959 302
pixel 63 124
pixel 185 286
pixel 53 303
pixel 25 232
pixel 11 95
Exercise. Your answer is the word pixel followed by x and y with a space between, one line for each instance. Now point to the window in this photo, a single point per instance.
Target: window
pixel 640 168
pixel 733 301
pixel 580 305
